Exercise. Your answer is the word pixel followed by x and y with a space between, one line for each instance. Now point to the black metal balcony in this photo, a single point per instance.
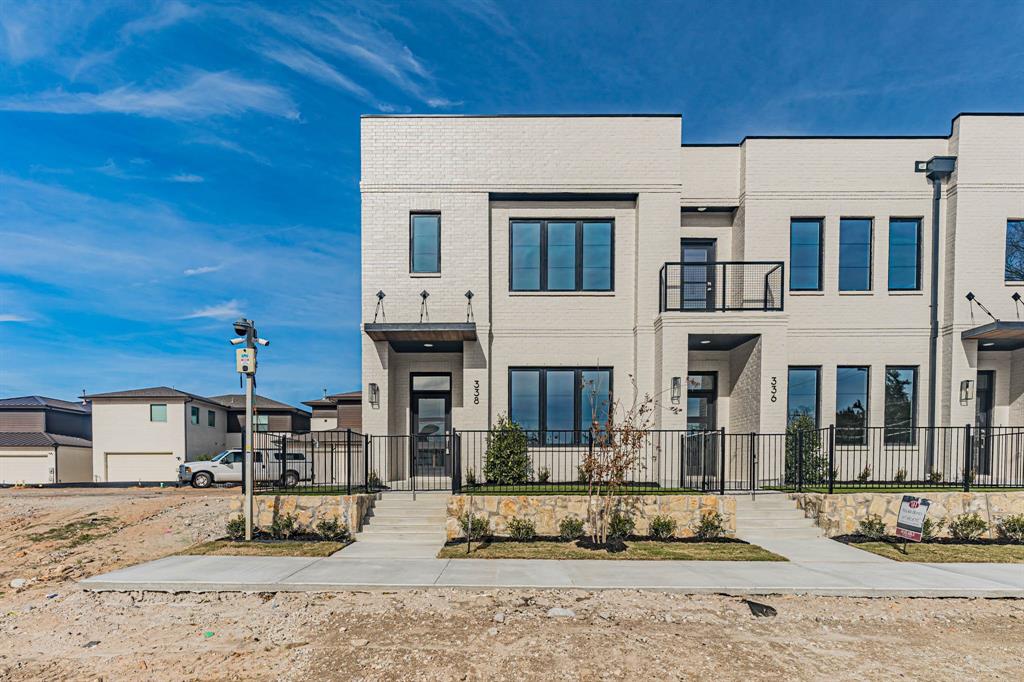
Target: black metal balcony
pixel 722 286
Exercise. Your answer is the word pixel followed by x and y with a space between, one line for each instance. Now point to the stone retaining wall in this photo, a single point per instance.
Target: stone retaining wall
pixel 841 514
pixel 547 511
pixel 308 509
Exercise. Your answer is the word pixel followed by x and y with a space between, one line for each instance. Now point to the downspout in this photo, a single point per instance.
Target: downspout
pixel 938 168
pixel 56 466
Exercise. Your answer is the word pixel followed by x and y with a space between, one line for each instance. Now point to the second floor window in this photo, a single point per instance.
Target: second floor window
pixel 1015 250
pixel 211 418
pixel 805 255
pixel 262 422
pixel 561 255
pixel 158 413
pixel 852 405
pixel 425 243
pixel 904 254
pixel 855 254
pixel 194 415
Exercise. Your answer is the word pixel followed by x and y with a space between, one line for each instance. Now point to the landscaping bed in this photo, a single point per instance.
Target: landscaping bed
pixel 265 547
pixel 569 488
pixel 940 550
pixel 643 549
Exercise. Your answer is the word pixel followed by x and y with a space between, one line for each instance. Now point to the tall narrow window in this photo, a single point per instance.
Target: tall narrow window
pixel 211 418
pixel 855 254
pixel 595 397
pixel 805 255
pixel 526 256
pixel 900 405
pixel 852 405
pixel 524 398
pixel 194 415
pixel 560 406
pixel 1015 250
pixel 904 254
pixel 561 255
pixel 803 395
pixel 425 242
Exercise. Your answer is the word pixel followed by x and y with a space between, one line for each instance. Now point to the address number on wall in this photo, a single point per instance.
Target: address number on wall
pixel 774 384
pixel 476 392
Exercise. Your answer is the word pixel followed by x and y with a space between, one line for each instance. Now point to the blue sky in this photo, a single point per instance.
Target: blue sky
pixel 168 166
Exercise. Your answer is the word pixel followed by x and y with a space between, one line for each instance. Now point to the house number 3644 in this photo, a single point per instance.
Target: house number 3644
pixel 476 392
pixel 774 389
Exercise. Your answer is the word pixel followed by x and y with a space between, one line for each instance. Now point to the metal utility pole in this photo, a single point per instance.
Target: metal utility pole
pixel 245 363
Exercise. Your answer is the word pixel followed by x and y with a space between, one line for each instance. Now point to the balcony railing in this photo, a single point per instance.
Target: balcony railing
pixel 722 286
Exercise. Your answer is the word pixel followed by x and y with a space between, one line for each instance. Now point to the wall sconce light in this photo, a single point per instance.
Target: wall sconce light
pixel 966 390
pixel 374 391
pixel 677 390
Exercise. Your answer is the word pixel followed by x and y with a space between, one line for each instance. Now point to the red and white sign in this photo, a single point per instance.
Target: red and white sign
pixel 910 523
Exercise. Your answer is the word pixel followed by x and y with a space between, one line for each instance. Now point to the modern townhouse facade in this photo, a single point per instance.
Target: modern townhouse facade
pixel 528 265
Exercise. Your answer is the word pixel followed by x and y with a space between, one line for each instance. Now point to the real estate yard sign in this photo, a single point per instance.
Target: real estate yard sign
pixel 910 522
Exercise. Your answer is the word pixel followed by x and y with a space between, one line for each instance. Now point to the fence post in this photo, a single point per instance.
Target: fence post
pixel 831 458
pixel 721 455
pixel 456 462
pixel 366 462
pixel 968 457
pixel 800 461
pixel 753 464
pixel 348 459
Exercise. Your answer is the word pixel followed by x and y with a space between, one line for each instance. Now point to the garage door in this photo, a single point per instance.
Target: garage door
pixel 141 466
pixel 27 469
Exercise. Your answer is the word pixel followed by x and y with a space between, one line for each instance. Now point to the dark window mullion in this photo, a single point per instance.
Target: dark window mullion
pixel 579 255
pixel 543 255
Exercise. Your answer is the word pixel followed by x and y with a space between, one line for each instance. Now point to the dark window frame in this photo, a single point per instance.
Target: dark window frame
pixel 543 256
pixel 158 421
pixel 211 418
pixel 256 423
pixel 871 255
pixel 821 252
pixel 1006 255
pixel 542 397
pixel 412 221
pixel 193 414
pixel 887 437
pixel 867 408
pixel 917 263
pixel 817 392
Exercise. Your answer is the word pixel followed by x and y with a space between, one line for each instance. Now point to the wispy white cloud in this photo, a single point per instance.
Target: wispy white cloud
pixel 230 145
pixel 201 270
pixel 219 311
pixel 206 94
pixel 306 63
pixel 168 14
pixel 187 178
pixel 7 317
pixel 112 169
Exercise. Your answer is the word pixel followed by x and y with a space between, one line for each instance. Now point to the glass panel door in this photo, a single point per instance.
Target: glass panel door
pixel 698 276
pixel 700 417
pixel 984 403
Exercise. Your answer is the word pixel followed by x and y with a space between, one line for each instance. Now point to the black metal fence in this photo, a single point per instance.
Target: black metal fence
pixel 722 286
pixel 544 462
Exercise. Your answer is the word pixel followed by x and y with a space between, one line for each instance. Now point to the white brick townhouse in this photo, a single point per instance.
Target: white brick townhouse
pixel 510 261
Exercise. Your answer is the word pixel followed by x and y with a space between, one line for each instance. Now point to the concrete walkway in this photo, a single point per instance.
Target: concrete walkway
pixel 846 578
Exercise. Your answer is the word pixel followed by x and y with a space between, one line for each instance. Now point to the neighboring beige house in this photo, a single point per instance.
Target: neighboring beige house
pixel 271 415
pixel 44 440
pixel 337 411
pixel 509 260
pixel 142 435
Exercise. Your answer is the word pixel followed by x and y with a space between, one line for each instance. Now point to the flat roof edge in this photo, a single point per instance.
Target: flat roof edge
pixel 639 115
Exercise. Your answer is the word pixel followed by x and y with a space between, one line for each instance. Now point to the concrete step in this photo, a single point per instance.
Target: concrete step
pixel 393 538
pixel 414 527
pixel 437 519
pixel 432 514
pixel 773 524
pixel 769 513
pixel 758 534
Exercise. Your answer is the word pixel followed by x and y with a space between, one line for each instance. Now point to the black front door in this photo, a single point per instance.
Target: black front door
pixel 984 400
pixel 698 276
pixel 703 445
pixel 431 403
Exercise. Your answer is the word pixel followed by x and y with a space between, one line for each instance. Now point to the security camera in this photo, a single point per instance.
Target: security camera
pixel 242 326
pixel 263 342
pixel 237 342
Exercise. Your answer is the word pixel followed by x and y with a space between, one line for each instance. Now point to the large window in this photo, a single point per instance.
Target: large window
pixel 425 243
pixel 158 413
pixel 262 422
pixel 855 254
pixel 194 415
pixel 805 255
pixel 559 401
pixel 803 395
pixel 900 405
pixel 561 255
pixel 904 254
pixel 1015 250
pixel 852 405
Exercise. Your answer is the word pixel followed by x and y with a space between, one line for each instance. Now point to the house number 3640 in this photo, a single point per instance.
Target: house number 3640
pixel 476 392
pixel 774 389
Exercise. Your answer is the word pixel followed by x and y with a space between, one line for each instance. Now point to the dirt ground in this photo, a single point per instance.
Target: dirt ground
pixel 51 629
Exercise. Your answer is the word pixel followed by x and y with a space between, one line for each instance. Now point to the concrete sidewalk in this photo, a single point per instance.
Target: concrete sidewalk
pixel 855 579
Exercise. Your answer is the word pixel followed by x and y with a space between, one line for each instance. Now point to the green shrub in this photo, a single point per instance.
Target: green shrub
pixel 710 526
pixel 581 474
pixel 932 528
pixel 521 530
pixel 470 476
pixel 283 527
pixel 900 476
pixel 332 530
pixel 543 475
pixel 373 481
pixel 967 527
pixel 570 528
pixel 236 528
pixel 935 476
pixel 662 527
pixel 620 526
pixel 474 526
pixel 872 527
pixel 1011 528
pixel 815 462
pixel 506 461
pixel 865 474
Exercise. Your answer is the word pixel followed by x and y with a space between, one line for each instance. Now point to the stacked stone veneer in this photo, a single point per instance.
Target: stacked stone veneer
pixel 547 511
pixel 842 514
pixel 308 509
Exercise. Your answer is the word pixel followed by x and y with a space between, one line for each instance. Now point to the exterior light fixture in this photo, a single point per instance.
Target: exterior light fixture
pixel 374 395
pixel 701 209
pixel 988 343
pixel 428 345
pixel 677 390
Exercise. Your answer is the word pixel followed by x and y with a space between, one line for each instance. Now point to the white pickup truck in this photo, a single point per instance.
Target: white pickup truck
pixel 286 468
